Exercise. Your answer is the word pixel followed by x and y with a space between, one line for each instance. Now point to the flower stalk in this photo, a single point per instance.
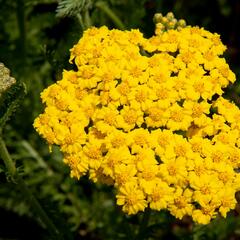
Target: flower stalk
pixel 102 6
pixel 35 205
pixel 22 27
pixel 143 225
pixel 7 159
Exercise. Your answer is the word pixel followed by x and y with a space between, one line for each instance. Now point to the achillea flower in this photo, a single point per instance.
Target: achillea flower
pixel 137 114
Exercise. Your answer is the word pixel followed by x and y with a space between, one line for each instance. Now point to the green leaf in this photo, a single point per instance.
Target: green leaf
pixel 72 7
pixel 12 101
pixel 2 169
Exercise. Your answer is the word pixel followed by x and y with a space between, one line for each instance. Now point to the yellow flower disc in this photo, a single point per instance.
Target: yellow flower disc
pixel 147 116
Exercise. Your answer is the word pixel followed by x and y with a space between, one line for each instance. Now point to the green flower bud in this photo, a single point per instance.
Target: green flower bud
pixel 171 25
pixel 182 23
pixel 164 20
pixel 157 18
pixel 170 16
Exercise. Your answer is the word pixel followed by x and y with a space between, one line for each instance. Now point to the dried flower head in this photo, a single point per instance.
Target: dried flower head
pixel 6 81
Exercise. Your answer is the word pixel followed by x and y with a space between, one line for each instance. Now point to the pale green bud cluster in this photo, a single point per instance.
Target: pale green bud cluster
pixel 164 23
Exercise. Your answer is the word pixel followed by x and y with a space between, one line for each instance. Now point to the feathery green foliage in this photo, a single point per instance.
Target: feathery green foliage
pixel 69 8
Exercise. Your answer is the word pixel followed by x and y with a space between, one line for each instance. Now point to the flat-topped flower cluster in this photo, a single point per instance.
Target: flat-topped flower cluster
pixel 147 116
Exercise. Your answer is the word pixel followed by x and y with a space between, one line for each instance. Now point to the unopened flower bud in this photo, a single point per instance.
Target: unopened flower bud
pixel 157 18
pixel 182 23
pixel 170 25
pixel 164 20
pixel 170 16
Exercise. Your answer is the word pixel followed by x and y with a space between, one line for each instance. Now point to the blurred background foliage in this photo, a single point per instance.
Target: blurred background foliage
pixel 35 38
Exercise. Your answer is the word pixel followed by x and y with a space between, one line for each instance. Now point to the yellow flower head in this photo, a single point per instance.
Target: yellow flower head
pixel 139 114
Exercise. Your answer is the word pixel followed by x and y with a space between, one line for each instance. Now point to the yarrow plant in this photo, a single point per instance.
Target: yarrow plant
pixel 148 117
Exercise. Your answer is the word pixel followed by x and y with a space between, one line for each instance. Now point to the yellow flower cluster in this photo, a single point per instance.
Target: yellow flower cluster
pixel 147 116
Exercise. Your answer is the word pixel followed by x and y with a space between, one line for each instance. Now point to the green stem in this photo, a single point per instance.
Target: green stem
pixel 103 6
pixel 80 20
pixel 36 155
pixel 45 220
pixel 22 28
pixel 87 19
pixel 36 207
pixel 7 159
pixel 143 225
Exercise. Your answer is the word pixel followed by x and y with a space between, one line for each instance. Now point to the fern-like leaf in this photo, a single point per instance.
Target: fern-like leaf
pixel 12 101
pixel 70 8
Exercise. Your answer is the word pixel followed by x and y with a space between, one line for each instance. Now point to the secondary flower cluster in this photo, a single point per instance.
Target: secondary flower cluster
pixel 147 116
pixel 6 81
